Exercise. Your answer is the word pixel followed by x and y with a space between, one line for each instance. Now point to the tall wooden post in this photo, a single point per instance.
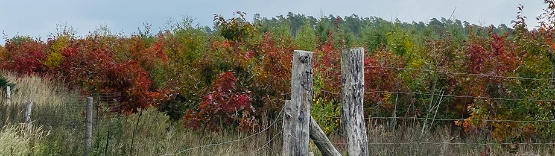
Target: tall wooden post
pixel 8 93
pixel 296 121
pixel 352 96
pixel 8 102
pixel 288 126
pixel 89 120
pixel 28 109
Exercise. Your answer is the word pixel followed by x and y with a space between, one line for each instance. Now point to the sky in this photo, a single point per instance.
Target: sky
pixel 40 18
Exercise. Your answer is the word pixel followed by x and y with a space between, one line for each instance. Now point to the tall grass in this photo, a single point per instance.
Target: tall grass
pixel 58 119
pixel 21 140
pixel 57 123
pixel 38 90
pixel 151 132
pixel 412 138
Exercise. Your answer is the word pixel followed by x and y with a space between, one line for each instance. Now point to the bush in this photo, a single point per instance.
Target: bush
pixel 5 83
pixel 225 105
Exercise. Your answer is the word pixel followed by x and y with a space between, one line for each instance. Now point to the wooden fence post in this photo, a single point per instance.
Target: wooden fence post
pixel 287 126
pixel 352 96
pixel 297 111
pixel 28 109
pixel 89 118
pixel 8 102
pixel 8 93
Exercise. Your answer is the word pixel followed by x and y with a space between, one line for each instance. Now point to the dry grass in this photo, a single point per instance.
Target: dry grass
pixel 411 139
pixel 35 89
pixel 21 140
pixel 150 132
pixel 56 112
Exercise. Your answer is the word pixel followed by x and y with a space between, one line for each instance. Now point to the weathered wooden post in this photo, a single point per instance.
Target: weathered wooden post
pixel 89 118
pixel 8 102
pixel 352 96
pixel 287 131
pixel 8 94
pixel 28 109
pixel 296 120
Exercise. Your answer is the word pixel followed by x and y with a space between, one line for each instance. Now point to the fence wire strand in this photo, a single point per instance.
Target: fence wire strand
pixel 236 140
pixel 415 118
pixel 462 73
pixel 269 141
pixel 75 109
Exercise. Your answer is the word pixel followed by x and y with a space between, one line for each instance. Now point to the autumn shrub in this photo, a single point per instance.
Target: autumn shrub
pixel 443 58
pixel 186 72
pixel 92 67
pixel 234 29
pixel 381 81
pixel 272 81
pixel 496 58
pixel 3 53
pixel 54 53
pixel 261 62
pixel 327 73
pixel 24 55
pixel 225 106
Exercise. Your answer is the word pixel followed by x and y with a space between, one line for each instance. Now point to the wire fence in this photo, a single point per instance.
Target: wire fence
pixel 119 134
pixel 55 121
pixel 115 133
pixel 277 119
pixel 398 131
pixel 485 75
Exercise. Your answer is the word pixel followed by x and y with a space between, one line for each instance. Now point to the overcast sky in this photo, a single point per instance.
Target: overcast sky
pixel 39 18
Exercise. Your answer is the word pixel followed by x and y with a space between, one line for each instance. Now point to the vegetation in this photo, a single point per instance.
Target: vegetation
pixel 187 82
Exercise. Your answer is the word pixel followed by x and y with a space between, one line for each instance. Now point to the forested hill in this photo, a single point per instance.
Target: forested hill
pixel 373 31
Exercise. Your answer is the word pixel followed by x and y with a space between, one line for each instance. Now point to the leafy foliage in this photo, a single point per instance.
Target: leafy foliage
pixel 239 73
pixel 24 55
pixel 5 83
pixel 224 106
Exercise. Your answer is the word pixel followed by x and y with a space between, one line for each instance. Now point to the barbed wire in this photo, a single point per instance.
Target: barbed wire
pixel 450 95
pixel 448 143
pixel 462 96
pixel 462 73
pixel 452 119
pixel 268 142
pixel 457 143
pixel 236 140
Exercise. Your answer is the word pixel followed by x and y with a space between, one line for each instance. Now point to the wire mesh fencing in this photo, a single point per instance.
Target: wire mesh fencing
pixel 412 121
pixel 146 132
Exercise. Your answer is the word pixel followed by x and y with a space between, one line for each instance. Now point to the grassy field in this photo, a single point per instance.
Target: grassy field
pixel 58 128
